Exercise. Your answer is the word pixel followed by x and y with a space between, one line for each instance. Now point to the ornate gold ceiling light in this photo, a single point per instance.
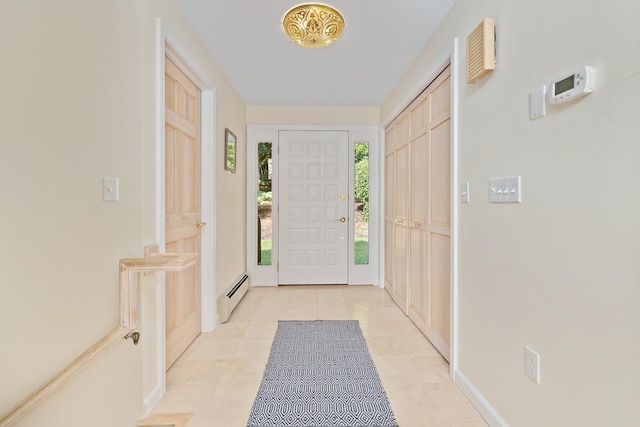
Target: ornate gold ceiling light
pixel 313 25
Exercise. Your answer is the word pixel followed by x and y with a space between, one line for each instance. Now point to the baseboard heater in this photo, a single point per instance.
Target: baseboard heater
pixel 231 297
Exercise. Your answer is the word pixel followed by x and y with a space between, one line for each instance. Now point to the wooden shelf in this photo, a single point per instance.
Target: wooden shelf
pixel 160 262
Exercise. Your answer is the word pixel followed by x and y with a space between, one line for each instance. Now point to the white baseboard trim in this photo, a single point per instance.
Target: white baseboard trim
pixel 152 399
pixel 482 405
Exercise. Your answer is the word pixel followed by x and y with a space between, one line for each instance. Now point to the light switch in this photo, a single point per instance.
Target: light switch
pixel 537 103
pixel 464 192
pixel 110 189
pixel 505 190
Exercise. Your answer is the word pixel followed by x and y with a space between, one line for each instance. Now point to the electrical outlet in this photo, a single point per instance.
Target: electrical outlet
pixel 532 364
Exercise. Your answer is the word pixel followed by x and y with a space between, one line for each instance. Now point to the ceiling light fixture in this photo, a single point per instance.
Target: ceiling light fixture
pixel 313 25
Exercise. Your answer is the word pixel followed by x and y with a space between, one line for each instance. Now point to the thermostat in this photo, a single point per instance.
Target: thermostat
pixel 572 85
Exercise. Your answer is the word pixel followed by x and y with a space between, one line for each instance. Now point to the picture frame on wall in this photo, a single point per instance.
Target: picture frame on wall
pixel 230 142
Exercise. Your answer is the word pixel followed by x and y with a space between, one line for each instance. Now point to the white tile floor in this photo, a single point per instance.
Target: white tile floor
pixel 217 378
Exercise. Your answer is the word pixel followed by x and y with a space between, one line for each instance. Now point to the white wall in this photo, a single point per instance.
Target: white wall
pixel 77 84
pixel 560 271
pixel 70 114
pixel 349 116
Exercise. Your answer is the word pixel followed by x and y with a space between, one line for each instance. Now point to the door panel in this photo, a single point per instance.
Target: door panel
pixel 389 209
pixel 389 256
pixel 400 194
pixel 401 190
pixel 313 197
pixel 390 141
pixel 401 237
pixel 438 322
pixel 419 180
pixel 440 174
pixel 440 91
pixel 417 278
pixel 439 227
pixel 389 186
pixel 418 211
pixel 182 210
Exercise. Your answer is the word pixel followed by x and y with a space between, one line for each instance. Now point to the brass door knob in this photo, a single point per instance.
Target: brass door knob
pixel 342 219
pixel 200 224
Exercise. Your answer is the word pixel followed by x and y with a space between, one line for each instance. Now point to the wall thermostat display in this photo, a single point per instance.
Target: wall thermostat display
pixel 571 86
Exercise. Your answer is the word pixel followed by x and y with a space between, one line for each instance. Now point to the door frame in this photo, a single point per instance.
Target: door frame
pixel 357 274
pixel 153 365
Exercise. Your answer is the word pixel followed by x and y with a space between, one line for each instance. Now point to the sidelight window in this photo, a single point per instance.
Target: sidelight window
pixel 361 203
pixel 264 198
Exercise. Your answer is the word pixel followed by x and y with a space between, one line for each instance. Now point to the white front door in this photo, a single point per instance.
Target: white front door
pixel 314 207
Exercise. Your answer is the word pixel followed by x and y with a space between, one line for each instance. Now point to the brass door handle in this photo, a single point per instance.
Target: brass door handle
pixel 200 224
pixel 342 219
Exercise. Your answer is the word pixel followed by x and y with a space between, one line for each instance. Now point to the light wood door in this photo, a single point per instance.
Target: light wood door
pixel 182 208
pixel 439 213
pixel 418 214
pixel 418 183
pixel 397 226
pixel 313 207
pixel 401 226
pixel 417 211
pixel 389 209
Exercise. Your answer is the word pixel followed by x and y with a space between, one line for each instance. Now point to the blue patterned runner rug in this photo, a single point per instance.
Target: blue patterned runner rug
pixel 320 374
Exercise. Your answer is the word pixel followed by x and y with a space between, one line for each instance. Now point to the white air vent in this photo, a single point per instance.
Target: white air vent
pixel 481 56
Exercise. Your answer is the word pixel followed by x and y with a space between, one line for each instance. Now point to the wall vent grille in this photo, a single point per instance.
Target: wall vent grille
pixel 481 58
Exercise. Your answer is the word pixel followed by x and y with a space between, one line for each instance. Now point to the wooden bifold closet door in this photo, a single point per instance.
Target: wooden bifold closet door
pixel 417 210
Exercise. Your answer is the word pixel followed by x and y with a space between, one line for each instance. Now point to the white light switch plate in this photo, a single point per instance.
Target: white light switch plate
pixel 536 103
pixel 505 190
pixel 110 189
pixel 532 364
pixel 464 192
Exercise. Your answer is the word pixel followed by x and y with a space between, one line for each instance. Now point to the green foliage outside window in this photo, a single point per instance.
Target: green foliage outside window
pixel 361 190
pixel 264 155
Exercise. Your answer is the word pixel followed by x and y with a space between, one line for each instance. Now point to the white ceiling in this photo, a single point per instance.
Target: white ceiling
pixel 380 40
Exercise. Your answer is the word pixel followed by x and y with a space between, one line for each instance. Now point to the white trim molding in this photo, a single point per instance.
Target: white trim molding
pixel 455 205
pixel 482 405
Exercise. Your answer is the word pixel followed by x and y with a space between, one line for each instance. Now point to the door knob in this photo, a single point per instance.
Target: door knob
pixel 200 224
pixel 342 219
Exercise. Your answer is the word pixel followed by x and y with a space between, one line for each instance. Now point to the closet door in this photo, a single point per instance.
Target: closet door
pixel 417 211
pixel 389 207
pixel 439 223
pixel 418 177
pixel 401 226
